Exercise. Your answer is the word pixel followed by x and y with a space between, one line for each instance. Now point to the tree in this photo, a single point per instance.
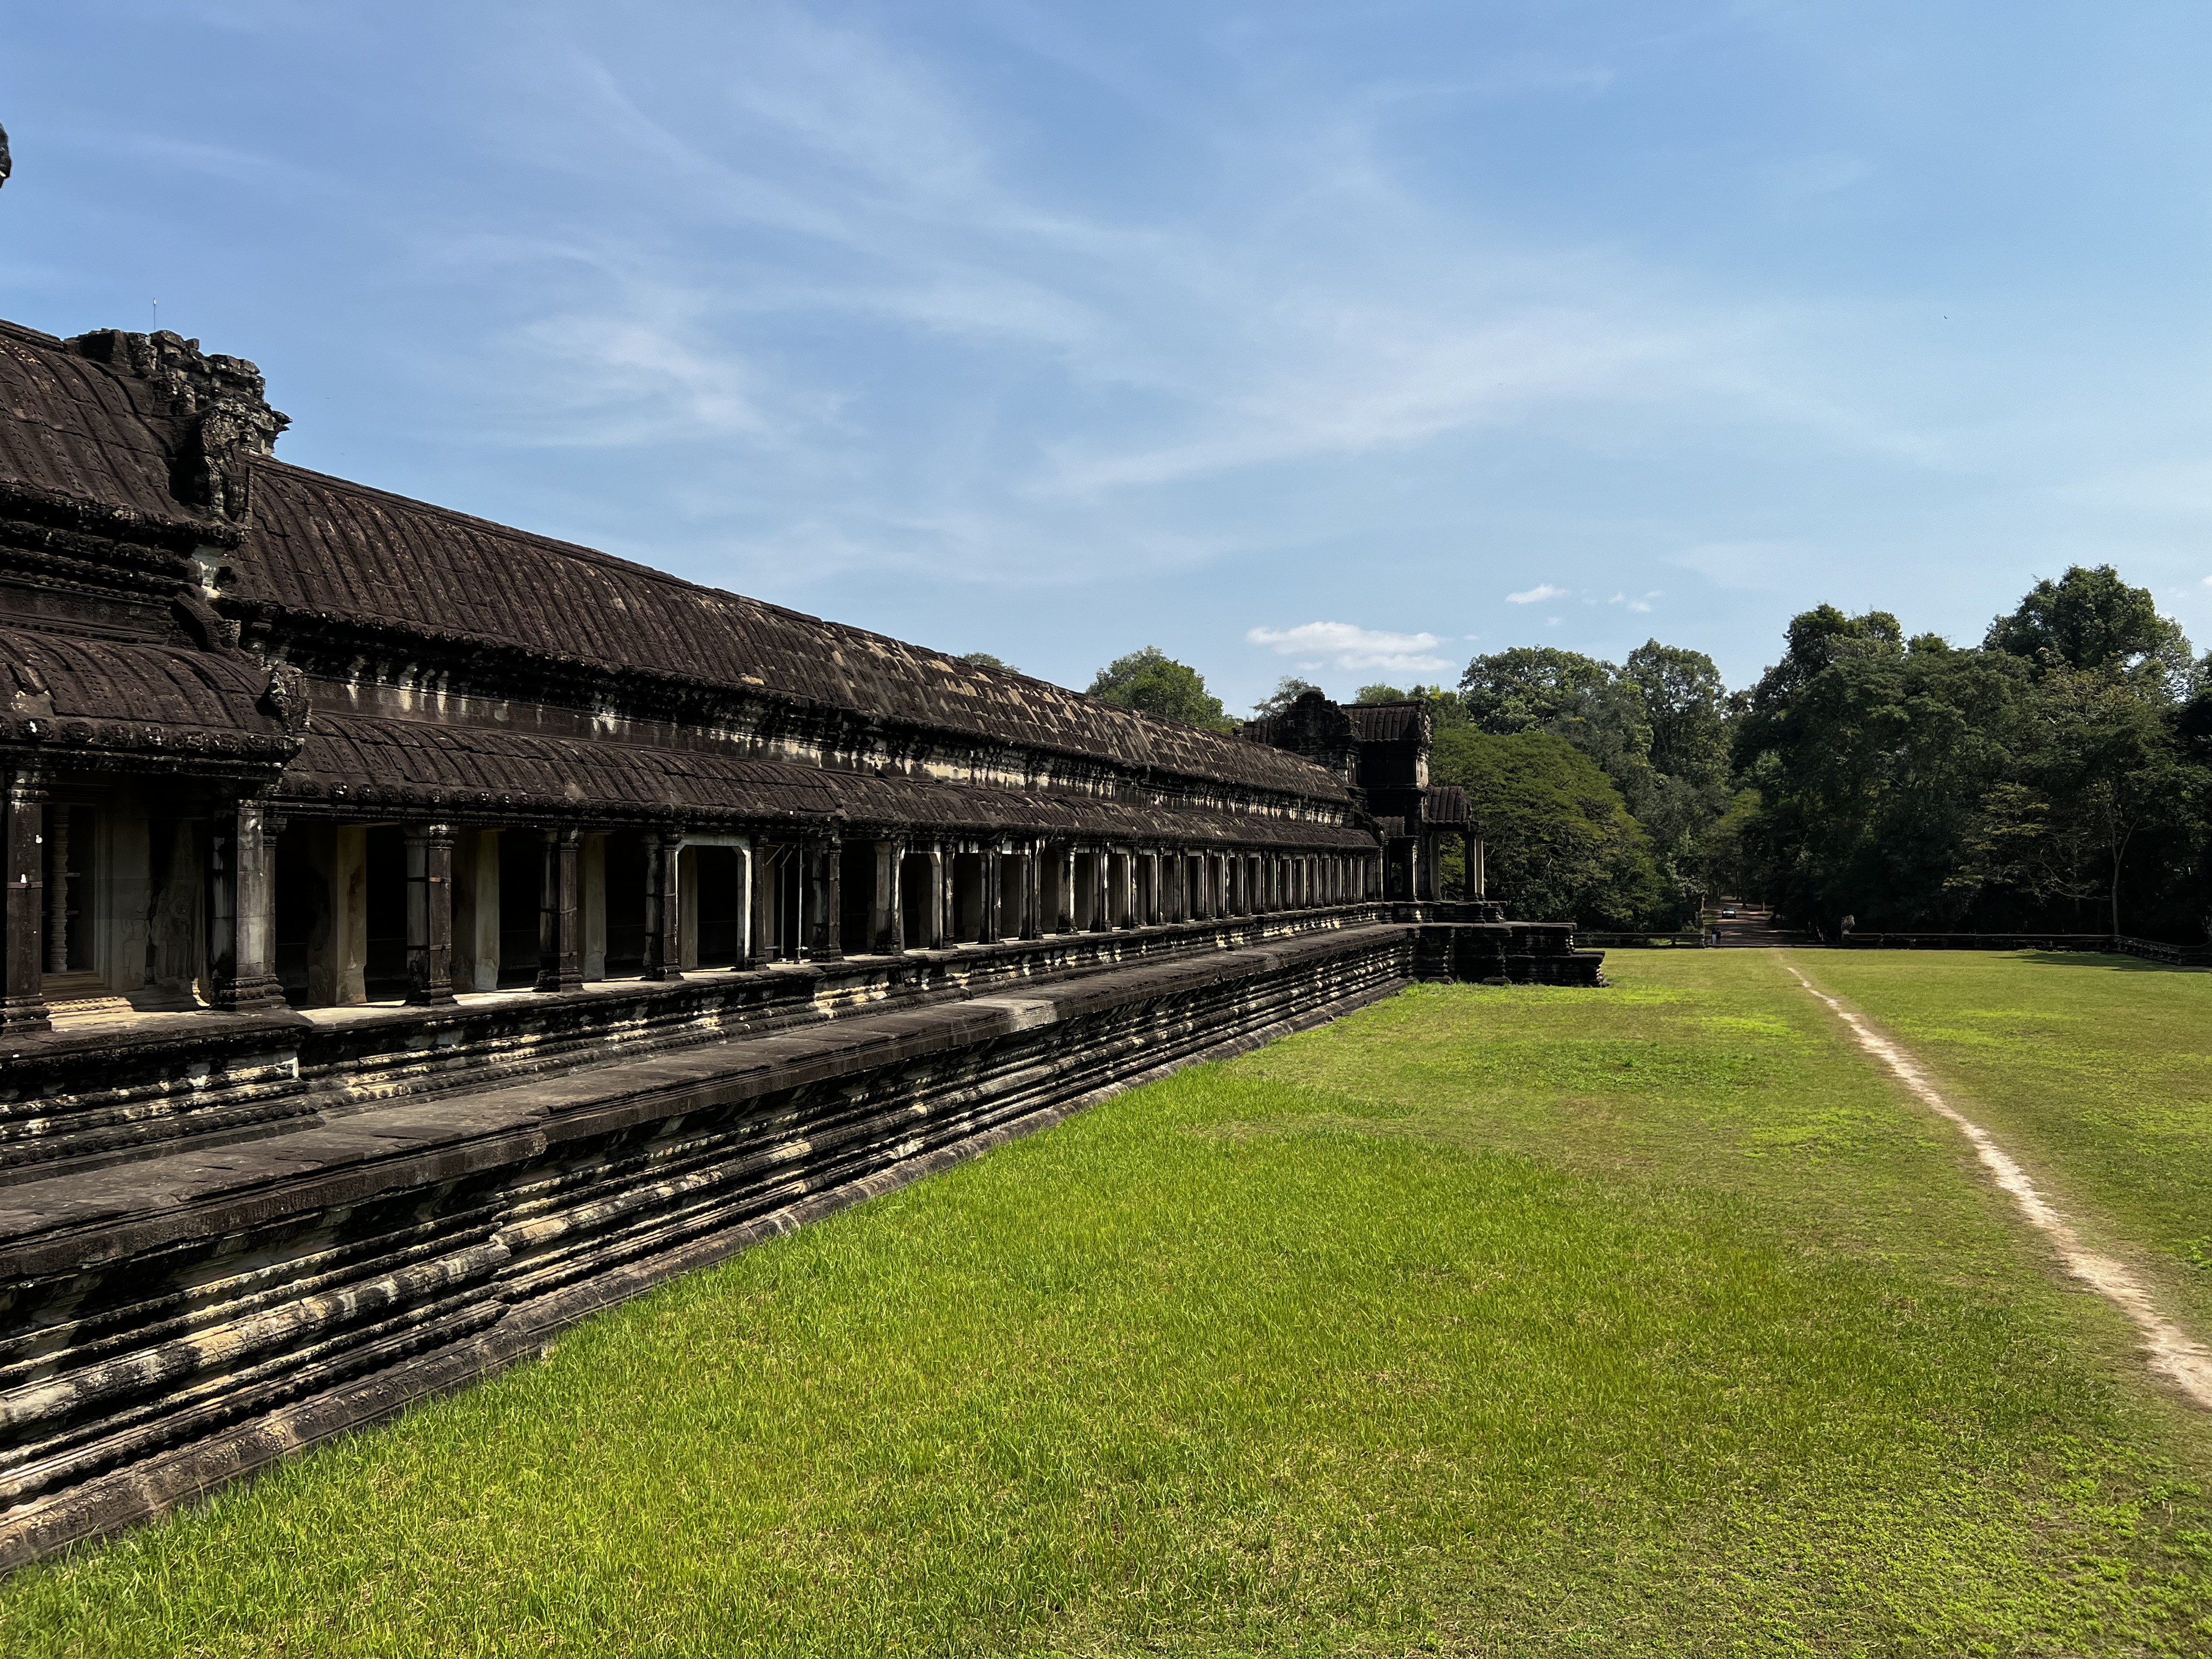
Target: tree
pixel 1871 759
pixel 1447 708
pixel 1558 839
pixel 1817 638
pixel 985 659
pixel 1154 683
pixel 1686 705
pixel 2104 768
pixel 2091 620
pixel 1528 685
pixel 1540 689
pixel 1380 694
pixel 1288 690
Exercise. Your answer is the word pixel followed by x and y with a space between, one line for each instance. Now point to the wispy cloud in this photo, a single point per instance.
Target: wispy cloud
pixel 814 202
pixel 1352 648
pixel 1534 595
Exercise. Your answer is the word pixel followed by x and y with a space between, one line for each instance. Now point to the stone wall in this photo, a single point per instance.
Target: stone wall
pixel 184 1317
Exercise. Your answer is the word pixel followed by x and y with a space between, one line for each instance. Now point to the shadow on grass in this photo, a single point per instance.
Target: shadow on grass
pixel 2111 960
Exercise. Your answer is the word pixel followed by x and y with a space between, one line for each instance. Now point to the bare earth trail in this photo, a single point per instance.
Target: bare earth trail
pixel 2172 1353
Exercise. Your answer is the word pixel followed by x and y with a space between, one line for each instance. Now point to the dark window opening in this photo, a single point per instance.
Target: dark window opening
pixel 301 921
pixel 625 891
pixel 915 899
pixel 1013 881
pixel 1086 892
pixel 967 897
pixel 66 847
pixel 785 868
pixel 384 921
pixel 719 904
pixel 1052 903
pixel 856 898
pixel 521 874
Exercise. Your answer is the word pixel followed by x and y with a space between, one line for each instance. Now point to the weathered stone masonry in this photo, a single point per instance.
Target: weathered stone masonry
pixel 418 933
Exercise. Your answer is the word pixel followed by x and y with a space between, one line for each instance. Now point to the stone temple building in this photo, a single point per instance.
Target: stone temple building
pixel 419 932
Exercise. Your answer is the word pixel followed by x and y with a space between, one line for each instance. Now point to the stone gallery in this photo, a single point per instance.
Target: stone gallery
pixel 420 933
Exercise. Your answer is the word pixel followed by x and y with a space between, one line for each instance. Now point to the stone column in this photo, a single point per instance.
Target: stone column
pixel 593 885
pixel 987 906
pixel 761 944
pixel 560 912
pixel 824 897
pixel 430 913
pixel 1033 892
pixel 1063 921
pixel 887 915
pixel 240 899
pixel 23 996
pixel 1475 883
pixel 664 909
pixel 939 897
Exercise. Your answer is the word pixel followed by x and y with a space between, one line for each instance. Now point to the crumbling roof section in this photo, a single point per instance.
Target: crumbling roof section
pixel 72 429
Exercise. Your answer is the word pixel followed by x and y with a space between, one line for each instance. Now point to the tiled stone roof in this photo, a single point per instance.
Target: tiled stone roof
pixel 70 695
pixel 73 429
pixel 412 766
pixel 323 546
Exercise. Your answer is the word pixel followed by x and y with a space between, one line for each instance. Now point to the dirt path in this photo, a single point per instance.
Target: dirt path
pixel 2170 1351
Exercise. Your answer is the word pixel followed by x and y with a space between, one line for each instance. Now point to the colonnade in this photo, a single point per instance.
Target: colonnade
pixel 805 896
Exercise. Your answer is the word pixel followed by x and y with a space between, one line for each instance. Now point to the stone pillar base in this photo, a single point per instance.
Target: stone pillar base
pixel 250 996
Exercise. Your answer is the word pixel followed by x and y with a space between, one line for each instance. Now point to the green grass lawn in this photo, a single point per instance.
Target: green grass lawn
pixel 1653 1319
pixel 2096 1072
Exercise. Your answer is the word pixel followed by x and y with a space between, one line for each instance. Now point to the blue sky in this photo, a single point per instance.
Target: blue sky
pixel 1345 340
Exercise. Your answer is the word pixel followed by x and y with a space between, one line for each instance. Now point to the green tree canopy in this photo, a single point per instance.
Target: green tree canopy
pixel 2090 619
pixel 1380 694
pixel 2046 780
pixel 1686 705
pixel 1288 690
pixel 1154 683
pixel 1528 685
pixel 1559 839
pixel 985 659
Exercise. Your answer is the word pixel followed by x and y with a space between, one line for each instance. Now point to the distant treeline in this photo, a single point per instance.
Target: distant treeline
pixel 2057 777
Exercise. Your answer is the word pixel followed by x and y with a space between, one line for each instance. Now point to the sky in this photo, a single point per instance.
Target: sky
pixel 1346 341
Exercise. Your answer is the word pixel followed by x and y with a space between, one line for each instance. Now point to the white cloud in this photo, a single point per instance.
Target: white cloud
pixel 1342 645
pixel 1541 591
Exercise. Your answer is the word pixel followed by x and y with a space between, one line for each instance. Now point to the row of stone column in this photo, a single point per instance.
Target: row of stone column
pixel 1129 886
